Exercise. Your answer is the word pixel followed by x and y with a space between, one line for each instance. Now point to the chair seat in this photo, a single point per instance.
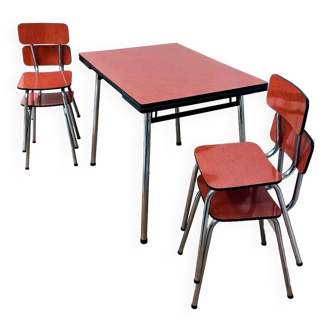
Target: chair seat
pixel 45 81
pixel 235 166
pixel 44 99
pixel 240 204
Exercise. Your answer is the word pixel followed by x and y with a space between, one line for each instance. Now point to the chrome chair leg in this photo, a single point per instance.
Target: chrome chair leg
pixel 75 105
pixel 189 197
pixel 203 235
pixel 70 121
pixel 204 258
pixel 190 220
pixel 261 227
pixel 288 224
pixel 283 258
pixel 242 130
pixel 25 123
pixel 74 123
pixel 70 131
pixel 27 157
pixel 34 118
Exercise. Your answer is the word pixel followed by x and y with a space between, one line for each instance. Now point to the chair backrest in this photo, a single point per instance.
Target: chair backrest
pixel 47 44
pixel 43 33
pixel 289 101
pixel 46 55
pixel 288 144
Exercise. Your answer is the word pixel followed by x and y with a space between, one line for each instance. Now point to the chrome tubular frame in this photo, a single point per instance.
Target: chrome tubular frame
pixel 278 140
pixel 146 177
pixel 95 121
pixel 288 224
pixel 292 168
pixel 206 246
pixel 296 193
pixel 34 58
pixel 189 223
pixel 203 235
pixel 205 251
pixel 177 128
pixel 34 115
pixel 25 120
pixel 282 258
pixel 242 131
pixel 69 128
pixel 189 197
pixel 71 114
pixel 61 67
pixel 280 161
pixel 27 155
pixel 262 231
pixel 75 105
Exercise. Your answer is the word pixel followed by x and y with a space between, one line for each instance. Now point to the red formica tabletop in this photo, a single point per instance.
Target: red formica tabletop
pixel 165 76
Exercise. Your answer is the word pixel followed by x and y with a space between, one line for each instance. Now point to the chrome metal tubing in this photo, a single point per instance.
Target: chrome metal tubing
pixel 242 131
pixel 204 258
pixel 27 155
pixel 262 231
pixel 75 105
pixel 34 58
pixel 296 193
pixel 145 177
pixel 177 128
pixel 190 220
pixel 95 121
pixel 69 128
pixel 34 118
pixel 203 235
pixel 70 118
pixel 272 152
pixel 74 124
pixel 288 224
pixel 25 120
pixel 280 161
pixel 283 258
pixel 189 197
pixel 61 67
pixel 292 168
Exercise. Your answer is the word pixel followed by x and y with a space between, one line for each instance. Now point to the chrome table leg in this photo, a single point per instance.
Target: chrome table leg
pixel 95 121
pixel 177 128
pixel 242 131
pixel 145 178
pixel 261 227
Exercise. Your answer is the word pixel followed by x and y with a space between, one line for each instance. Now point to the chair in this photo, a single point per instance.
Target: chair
pixel 46 47
pixel 235 178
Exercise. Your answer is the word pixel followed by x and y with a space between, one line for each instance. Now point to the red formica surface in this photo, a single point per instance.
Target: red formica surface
pixel 154 74
pixel 235 165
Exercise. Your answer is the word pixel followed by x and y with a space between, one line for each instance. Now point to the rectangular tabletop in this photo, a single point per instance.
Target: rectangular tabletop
pixel 153 78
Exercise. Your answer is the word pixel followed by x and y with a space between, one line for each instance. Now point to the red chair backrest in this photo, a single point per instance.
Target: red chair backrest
pixel 289 101
pixel 47 55
pixel 287 144
pixel 43 33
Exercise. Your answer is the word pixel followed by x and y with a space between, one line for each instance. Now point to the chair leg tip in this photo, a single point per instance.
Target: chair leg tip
pixel 92 164
pixel 183 229
pixel 144 241
pixel 194 307
pixel 299 265
pixel 33 141
pixel 264 244
pixel 290 296
pixel 179 145
pixel 76 164
pixel 197 281
pixel 180 253
pixel 27 168
pixel 24 150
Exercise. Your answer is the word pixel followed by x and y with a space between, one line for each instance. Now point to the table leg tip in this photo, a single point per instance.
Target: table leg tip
pixel 299 264
pixel 194 306
pixel 178 143
pixel 290 296
pixel 27 168
pixel 264 244
pixel 76 164
pixel 180 252
pixel 93 164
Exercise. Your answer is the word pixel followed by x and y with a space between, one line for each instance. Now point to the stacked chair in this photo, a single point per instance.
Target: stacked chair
pixel 235 178
pixel 46 45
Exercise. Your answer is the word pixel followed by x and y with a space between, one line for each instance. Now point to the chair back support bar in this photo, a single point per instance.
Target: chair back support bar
pixel 289 101
pixel 43 33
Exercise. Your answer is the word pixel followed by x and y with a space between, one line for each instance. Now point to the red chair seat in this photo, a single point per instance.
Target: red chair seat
pixel 45 81
pixel 240 204
pixel 234 165
pixel 44 99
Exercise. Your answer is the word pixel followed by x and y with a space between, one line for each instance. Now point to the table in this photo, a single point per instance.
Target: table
pixel 161 77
